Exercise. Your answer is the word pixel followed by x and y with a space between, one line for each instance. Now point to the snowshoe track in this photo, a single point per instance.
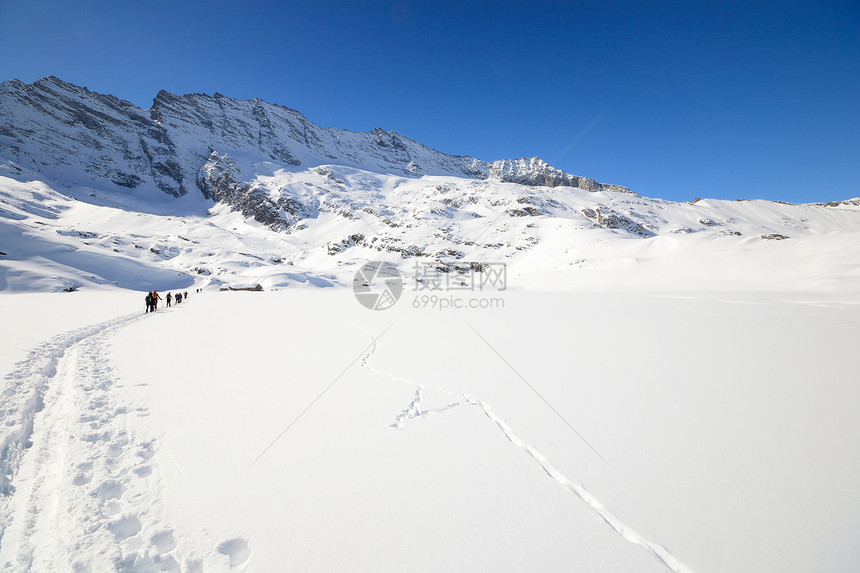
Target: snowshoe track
pixel 81 491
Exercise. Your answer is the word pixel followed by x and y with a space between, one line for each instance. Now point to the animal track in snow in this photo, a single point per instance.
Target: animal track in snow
pixel 413 411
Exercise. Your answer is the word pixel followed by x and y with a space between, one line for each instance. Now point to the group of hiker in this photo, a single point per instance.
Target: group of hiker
pixel 153 297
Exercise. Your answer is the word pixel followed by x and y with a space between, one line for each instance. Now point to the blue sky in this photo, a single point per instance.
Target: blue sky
pixel 672 99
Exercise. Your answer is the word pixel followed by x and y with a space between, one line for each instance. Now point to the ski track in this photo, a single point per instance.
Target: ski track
pixel 413 411
pixel 81 491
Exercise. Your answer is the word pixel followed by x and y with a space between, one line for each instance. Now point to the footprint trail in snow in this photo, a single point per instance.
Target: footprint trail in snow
pixel 81 491
pixel 413 411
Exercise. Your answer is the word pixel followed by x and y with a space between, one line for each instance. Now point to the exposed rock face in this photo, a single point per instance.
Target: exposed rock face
pixel 221 180
pixel 189 142
pixel 536 171
pixel 612 220
pixel 66 131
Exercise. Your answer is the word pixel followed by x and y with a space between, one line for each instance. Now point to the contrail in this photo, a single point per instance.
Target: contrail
pixel 580 136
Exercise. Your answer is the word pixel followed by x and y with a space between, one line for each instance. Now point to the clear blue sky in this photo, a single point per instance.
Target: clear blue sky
pixel 672 99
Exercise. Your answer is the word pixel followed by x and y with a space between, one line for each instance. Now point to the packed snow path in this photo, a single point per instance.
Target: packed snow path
pixel 80 489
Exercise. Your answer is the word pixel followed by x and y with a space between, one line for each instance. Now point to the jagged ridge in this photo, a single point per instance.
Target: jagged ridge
pixel 75 135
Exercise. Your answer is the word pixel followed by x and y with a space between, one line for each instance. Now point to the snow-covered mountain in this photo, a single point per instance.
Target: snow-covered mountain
pixel 177 145
pixel 210 186
pixel 698 418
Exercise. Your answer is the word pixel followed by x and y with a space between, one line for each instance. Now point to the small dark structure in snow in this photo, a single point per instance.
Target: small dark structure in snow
pixel 251 287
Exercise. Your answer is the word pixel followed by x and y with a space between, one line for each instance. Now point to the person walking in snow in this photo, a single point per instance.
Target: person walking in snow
pixel 168 298
pixel 148 300
pixel 155 299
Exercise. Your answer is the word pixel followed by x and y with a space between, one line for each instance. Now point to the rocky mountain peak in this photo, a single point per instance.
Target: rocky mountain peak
pixel 73 135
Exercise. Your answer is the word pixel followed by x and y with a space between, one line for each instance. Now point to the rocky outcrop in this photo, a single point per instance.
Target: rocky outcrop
pixel 613 220
pixel 535 171
pixel 221 180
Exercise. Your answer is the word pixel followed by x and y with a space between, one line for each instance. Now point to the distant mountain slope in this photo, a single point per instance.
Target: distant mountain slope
pixel 75 134
pixel 94 190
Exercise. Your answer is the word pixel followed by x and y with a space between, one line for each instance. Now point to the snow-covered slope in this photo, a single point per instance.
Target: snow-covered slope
pixel 281 431
pixel 548 239
pixel 98 191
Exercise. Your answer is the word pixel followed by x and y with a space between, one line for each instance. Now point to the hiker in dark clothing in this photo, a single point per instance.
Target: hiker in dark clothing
pixel 185 294
pixel 168 298
pixel 148 300
pixel 155 299
pixel 178 297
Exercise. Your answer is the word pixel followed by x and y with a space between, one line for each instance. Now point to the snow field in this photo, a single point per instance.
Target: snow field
pixel 298 431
